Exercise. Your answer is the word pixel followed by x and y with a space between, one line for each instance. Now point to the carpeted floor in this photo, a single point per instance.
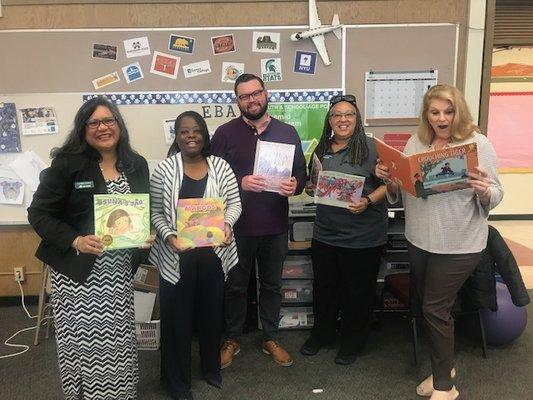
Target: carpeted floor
pixel 384 371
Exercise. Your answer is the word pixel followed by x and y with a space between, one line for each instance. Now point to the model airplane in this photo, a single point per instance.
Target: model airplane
pixel 317 30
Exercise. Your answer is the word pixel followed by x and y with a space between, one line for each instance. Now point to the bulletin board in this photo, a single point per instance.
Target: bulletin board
pixel 508 125
pixel 60 69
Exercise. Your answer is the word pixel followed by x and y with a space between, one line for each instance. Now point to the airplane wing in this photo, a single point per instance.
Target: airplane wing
pixel 320 44
pixel 314 21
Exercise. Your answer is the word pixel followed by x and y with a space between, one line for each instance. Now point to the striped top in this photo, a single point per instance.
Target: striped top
pixel 453 222
pixel 164 189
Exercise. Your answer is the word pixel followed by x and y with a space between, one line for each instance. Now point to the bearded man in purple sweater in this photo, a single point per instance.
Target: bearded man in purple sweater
pixel 261 231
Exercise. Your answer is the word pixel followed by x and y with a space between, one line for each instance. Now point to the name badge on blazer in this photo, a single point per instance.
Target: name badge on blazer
pixel 84 185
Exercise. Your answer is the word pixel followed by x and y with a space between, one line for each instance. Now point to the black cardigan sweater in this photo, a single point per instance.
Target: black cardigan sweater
pixel 62 209
pixel 479 291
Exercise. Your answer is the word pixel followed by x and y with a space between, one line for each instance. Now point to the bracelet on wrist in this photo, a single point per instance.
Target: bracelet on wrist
pixel 75 245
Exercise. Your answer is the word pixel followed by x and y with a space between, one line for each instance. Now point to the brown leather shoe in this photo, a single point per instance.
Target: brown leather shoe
pixel 229 349
pixel 278 353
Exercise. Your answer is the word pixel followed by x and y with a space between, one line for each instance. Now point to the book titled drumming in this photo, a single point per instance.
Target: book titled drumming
pixel 200 222
pixel 431 172
pixel 338 189
pixel 274 162
pixel 122 221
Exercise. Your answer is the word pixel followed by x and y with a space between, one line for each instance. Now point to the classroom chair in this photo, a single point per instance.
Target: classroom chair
pixel 44 311
pixel 400 286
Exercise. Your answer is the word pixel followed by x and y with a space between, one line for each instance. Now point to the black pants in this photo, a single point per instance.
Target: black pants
pixel 344 279
pixel 270 252
pixel 199 293
pixel 437 279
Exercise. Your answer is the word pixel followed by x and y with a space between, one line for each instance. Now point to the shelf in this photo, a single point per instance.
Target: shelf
pixel 299 245
pixel 396 226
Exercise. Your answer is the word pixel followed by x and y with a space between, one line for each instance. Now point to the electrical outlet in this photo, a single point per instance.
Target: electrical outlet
pixel 19 274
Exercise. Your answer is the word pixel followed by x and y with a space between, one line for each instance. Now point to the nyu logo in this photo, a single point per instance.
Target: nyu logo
pixel 305 62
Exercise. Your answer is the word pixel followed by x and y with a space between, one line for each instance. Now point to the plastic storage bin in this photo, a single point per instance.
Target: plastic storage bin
pixel 297 267
pixel 296 291
pixel 296 318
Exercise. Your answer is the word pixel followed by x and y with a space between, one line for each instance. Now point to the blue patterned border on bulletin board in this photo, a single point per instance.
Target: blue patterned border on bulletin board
pixel 213 97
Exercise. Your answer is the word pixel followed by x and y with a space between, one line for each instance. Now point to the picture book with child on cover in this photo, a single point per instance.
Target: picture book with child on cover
pixel 122 221
pixel 200 222
pixel 431 172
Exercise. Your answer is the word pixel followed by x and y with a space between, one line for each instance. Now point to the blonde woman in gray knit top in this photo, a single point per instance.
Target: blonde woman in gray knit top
pixel 446 232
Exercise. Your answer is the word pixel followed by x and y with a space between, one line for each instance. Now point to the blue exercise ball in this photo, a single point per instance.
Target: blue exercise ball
pixel 507 323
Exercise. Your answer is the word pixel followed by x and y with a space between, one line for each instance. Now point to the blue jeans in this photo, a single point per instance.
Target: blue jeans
pixel 269 252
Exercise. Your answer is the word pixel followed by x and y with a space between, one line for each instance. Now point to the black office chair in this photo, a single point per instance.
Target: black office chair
pixel 400 286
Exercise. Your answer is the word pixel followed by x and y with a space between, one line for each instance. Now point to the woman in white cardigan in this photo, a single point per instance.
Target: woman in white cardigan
pixel 191 280
pixel 446 232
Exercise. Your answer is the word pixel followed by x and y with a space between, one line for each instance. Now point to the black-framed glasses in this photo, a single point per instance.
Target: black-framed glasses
pixel 350 98
pixel 95 123
pixel 347 115
pixel 253 95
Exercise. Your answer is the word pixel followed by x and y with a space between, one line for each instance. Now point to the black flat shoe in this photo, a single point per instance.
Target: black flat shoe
pixel 214 380
pixel 310 347
pixel 183 396
pixel 345 360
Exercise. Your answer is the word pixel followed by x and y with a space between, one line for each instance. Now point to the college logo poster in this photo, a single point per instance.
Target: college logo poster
pixel 137 47
pixel 197 68
pixel 182 44
pixel 223 44
pixel 132 72
pixel 165 65
pixel 265 42
pixel 107 51
pixel 271 69
pixel 231 71
pixel 305 62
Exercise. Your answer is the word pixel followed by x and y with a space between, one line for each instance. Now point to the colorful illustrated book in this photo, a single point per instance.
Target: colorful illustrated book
pixel 316 167
pixel 430 172
pixel 274 162
pixel 200 222
pixel 122 221
pixel 338 189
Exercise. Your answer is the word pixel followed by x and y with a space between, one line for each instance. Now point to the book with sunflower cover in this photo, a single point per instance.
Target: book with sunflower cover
pixel 122 221
pixel 200 222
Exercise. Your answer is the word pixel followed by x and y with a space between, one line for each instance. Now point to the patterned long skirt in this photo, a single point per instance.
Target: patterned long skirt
pixel 95 331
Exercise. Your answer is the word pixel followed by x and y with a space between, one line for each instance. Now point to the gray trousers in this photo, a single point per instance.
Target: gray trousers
pixel 437 280
pixel 269 252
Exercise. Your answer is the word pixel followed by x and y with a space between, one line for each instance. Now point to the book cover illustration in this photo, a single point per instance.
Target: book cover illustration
pixel 316 167
pixel 274 162
pixel 430 172
pixel 122 221
pixel 200 222
pixel 338 189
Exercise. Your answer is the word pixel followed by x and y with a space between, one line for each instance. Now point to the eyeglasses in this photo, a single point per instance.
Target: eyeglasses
pixel 343 97
pixel 347 115
pixel 95 123
pixel 253 95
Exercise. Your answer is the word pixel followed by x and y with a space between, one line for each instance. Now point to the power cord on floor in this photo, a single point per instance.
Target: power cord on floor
pixel 23 346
